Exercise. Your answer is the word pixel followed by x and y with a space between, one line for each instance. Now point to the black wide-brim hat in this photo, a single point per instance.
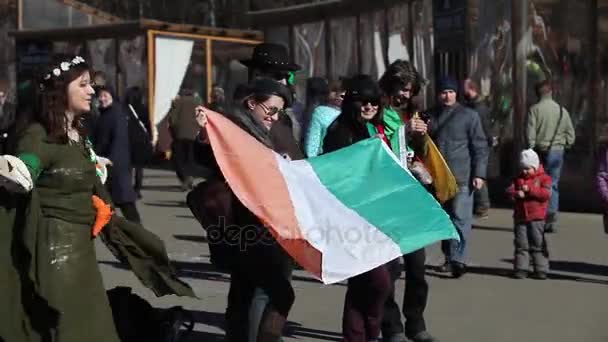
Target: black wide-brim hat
pixel 270 56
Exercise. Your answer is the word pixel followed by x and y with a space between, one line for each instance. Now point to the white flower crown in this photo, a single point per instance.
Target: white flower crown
pixel 64 67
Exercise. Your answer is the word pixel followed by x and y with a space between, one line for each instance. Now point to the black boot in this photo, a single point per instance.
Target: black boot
pixel 445 268
pixel 458 269
pixel 271 327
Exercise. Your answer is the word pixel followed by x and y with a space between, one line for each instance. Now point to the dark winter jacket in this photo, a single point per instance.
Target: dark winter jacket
pixel 111 140
pixel 484 113
pixel 182 121
pixel 341 134
pixel 458 133
pixel 534 206
pixel 213 199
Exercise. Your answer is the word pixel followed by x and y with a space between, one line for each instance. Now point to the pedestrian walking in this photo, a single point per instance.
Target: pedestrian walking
pixel 458 133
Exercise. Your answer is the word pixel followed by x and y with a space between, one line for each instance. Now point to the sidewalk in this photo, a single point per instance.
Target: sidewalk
pixel 485 305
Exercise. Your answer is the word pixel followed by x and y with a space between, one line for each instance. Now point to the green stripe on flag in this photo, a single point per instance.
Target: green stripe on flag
pixel 367 179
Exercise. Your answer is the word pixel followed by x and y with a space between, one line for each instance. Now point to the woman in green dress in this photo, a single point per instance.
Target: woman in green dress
pixel 56 167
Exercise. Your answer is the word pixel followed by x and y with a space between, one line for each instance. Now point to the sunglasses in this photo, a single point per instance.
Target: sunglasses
pixel 374 102
pixel 271 111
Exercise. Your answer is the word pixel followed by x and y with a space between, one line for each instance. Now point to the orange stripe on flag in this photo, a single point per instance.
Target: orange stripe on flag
pixel 251 170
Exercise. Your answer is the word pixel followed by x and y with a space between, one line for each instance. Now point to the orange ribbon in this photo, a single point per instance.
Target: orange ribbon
pixel 103 216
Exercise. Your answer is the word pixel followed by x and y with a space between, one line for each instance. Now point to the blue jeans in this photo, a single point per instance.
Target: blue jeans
pixel 460 209
pixel 256 311
pixel 554 160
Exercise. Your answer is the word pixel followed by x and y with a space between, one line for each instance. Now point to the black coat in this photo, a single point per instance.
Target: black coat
pixel 484 115
pixel 343 133
pixel 213 199
pixel 111 140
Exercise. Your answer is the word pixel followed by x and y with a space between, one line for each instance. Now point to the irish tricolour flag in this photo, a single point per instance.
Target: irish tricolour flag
pixel 338 215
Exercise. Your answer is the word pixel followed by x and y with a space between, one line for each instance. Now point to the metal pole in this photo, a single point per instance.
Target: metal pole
pixel 118 75
pixel 519 17
pixel 20 14
pixel 292 43
pixel 151 75
pixel 358 44
pixel 212 21
pixel 329 52
pixel 209 67
pixel 411 28
pixel 385 34
pixel 594 85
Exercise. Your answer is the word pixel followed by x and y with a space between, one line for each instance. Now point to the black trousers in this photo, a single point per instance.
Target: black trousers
pixel 183 158
pixel 139 178
pixel 129 211
pixel 268 268
pixel 414 299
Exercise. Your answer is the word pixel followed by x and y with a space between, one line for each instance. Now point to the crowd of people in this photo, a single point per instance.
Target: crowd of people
pixel 78 154
pixel 340 113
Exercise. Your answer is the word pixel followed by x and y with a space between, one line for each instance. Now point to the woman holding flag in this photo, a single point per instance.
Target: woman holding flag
pixel 261 262
pixel 361 118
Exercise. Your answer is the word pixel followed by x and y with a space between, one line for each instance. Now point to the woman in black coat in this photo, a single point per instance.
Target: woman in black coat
pixel 361 118
pixel 259 263
pixel 134 103
pixel 111 140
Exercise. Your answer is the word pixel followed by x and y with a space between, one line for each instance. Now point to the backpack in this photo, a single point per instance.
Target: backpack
pixel 139 139
pixel 137 321
pixel 212 204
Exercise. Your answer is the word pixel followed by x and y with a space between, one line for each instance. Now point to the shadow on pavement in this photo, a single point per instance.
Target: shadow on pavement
pixel 579 267
pixel 296 330
pixel 186 217
pixel 575 267
pixel 163 188
pixel 292 329
pixel 203 271
pixel 192 238
pixel 507 273
pixel 493 229
pixel 199 336
pixel 206 271
pixel 167 204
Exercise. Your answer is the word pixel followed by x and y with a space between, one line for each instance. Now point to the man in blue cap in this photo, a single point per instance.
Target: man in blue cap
pixel 458 133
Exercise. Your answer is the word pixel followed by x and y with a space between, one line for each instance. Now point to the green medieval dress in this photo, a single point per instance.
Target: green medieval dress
pixel 51 289
pixel 65 268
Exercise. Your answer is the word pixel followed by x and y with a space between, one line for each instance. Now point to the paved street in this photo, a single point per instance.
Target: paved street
pixel 485 305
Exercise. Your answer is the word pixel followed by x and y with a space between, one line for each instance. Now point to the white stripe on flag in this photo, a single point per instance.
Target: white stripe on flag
pixel 348 243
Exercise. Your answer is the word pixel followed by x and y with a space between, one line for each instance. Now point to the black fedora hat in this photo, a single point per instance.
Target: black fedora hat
pixel 270 56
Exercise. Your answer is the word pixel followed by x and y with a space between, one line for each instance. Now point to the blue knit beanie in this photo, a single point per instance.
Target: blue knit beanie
pixel 448 83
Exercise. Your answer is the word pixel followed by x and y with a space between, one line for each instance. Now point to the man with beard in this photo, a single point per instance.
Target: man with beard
pixel 400 83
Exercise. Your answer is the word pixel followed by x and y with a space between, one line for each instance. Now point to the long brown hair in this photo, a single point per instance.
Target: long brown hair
pixel 53 96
